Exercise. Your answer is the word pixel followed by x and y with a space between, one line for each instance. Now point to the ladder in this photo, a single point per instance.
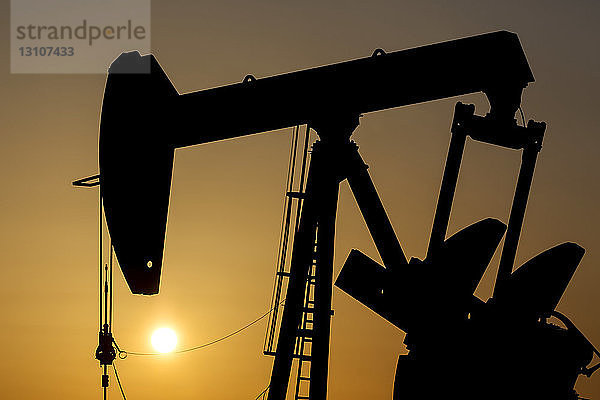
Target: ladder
pixel 304 335
pixel 306 341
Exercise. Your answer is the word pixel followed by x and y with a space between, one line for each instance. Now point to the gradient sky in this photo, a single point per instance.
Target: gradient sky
pixel 231 192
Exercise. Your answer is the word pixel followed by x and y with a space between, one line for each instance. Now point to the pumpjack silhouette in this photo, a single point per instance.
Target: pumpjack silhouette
pixel 514 345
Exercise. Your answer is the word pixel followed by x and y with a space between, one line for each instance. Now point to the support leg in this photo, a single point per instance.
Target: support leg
pixel 329 191
pixel 372 210
pixel 517 214
pixel 446 197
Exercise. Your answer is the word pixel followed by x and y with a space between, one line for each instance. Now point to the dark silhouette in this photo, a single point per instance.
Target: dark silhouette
pixel 504 346
pixel 460 346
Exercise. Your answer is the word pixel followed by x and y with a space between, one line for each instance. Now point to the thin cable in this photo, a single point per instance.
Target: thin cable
pixel 106 298
pixel 123 353
pixel 571 326
pixel 283 246
pixel 110 282
pixel 119 381
pixel 262 393
pixel 302 175
pixel 105 388
pixel 100 253
pixel 281 254
pixel 289 180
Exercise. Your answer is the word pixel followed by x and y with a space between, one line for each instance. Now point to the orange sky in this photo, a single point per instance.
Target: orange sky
pixel 232 192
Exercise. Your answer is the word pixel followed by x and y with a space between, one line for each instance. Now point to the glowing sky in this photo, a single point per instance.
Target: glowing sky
pixel 231 192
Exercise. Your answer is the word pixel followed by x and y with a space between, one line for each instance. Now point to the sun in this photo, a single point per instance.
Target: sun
pixel 164 340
